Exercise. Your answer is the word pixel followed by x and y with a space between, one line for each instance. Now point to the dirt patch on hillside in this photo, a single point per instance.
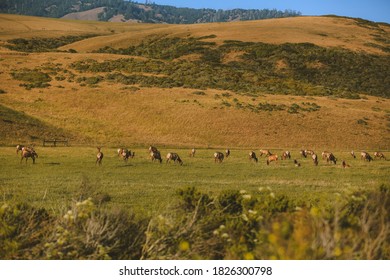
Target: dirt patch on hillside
pixel 233 57
pixel 86 15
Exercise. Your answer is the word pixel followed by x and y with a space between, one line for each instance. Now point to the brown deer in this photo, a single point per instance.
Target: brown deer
pixel 174 157
pixel 28 153
pixel 272 158
pixel 126 154
pixel 315 159
pixel 155 156
pixel 265 152
pixel 380 155
pixel 325 154
pixel 99 156
pixel 366 156
pixel 192 153
pixel 252 156
pixel 218 157
pixel 286 155
pixel 227 153
pixel 331 158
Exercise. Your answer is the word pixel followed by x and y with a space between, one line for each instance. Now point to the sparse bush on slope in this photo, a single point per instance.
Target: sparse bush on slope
pixel 34 78
pixel 309 69
pixel 44 44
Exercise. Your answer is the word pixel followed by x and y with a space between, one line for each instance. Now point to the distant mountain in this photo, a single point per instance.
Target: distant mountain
pixel 120 10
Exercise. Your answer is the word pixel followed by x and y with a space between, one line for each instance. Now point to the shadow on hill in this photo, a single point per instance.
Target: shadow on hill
pixel 19 127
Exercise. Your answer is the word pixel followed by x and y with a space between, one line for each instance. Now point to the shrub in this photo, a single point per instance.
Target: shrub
pixel 34 78
pixel 22 229
pixel 362 122
pixel 231 225
pixel 239 225
pixel 86 232
pixel 44 44
pixel 198 92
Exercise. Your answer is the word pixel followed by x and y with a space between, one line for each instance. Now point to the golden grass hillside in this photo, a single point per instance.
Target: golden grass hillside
pixel 322 31
pixel 112 114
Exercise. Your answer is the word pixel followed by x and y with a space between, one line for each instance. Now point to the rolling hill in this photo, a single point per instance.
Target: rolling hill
pixel 318 82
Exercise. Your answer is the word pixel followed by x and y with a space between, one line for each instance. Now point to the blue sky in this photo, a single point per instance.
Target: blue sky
pixel 375 10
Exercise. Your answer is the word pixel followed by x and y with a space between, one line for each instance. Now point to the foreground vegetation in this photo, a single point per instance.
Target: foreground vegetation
pixel 66 207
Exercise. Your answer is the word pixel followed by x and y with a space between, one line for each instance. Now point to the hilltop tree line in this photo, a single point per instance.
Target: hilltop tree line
pixel 152 13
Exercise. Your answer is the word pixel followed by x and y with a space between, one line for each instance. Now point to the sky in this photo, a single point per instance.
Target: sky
pixel 374 10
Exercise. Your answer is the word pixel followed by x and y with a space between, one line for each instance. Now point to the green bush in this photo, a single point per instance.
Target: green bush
pixel 34 78
pixel 198 92
pixel 44 44
pixel 86 232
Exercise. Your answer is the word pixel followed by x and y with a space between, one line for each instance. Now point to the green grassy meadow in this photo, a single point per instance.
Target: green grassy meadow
pixel 63 175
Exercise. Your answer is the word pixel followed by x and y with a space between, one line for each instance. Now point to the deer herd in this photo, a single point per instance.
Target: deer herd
pixel 155 155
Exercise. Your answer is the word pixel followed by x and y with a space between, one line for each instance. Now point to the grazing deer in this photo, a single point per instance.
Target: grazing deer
pixel 99 156
pixel 192 153
pixel 315 159
pixel 324 154
pixel 272 158
pixel 366 156
pixel 331 158
pixel 227 153
pixel 126 154
pixel 353 154
pixel 380 155
pixel 218 157
pixel 265 152
pixel 252 156
pixel 155 156
pixel 286 154
pixel 28 153
pixel 175 157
